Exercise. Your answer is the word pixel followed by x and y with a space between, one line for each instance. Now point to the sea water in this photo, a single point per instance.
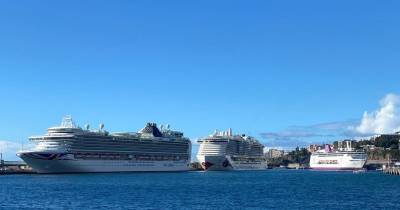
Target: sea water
pixel 271 189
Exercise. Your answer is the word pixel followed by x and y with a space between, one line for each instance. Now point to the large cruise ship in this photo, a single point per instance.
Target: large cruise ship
pixel 343 159
pixel 225 151
pixel 71 149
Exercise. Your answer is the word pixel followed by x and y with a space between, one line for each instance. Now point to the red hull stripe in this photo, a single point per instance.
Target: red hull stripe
pixel 334 169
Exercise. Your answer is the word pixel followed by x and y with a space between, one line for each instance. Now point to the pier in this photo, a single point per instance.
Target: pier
pixel 392 171
pixel 14 167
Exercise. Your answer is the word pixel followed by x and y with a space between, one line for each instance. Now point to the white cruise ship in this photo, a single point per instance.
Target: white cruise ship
pixel 344 159
pixel 71 149
pixel 225 151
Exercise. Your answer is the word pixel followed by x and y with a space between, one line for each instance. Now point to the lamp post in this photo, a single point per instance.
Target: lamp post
pixel 1 159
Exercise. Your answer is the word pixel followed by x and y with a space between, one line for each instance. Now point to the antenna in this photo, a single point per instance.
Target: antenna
pixel 67 122
pixel 101 126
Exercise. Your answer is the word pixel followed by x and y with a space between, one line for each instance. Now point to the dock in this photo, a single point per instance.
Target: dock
pixel 14 167
pixel 392 171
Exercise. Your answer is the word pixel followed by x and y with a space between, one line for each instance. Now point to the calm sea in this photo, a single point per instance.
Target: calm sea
pixel 272 189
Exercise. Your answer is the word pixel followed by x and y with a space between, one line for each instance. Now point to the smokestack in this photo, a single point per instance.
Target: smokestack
pixel 327 148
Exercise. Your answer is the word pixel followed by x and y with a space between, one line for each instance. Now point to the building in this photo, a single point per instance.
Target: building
pixel 369 147
pixel 293 166
pixel 274 153
pixel 387 140
pixel 314 147
pixel 387 136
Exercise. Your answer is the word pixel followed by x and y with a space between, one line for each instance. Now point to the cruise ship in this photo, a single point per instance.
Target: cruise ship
pixel 225 151
pixel 344 159
pixel 71 149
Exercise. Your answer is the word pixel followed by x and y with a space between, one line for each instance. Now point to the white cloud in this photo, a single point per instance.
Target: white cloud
pixel 384 120
pixel 319 133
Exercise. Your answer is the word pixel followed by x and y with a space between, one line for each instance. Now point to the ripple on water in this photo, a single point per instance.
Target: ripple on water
pixel 272 189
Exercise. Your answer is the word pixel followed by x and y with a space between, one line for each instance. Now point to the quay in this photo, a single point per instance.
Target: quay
pixel 392 171
pixel 14 167
pixel 393 168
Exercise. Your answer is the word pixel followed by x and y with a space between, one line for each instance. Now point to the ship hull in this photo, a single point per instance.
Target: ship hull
pixel 225 163
pixel 334 169
pixel 71 165
pixel 343 162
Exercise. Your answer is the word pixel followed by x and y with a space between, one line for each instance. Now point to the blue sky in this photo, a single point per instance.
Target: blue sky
pixel 258 67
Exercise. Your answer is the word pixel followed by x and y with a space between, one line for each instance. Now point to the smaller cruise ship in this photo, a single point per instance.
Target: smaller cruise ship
pixel 343 159
pixel 225 151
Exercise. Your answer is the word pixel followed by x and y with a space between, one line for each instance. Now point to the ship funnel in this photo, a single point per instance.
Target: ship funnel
pixel 327 148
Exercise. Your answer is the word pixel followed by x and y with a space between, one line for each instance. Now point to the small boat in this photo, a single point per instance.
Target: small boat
pixel 359 171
